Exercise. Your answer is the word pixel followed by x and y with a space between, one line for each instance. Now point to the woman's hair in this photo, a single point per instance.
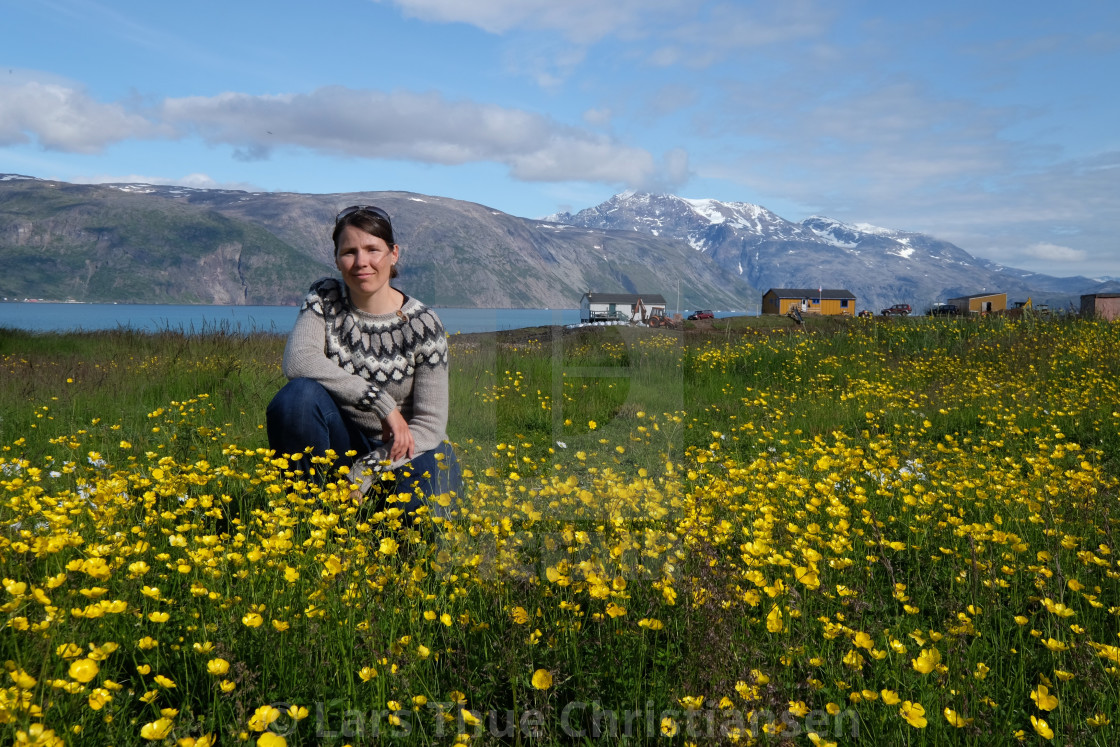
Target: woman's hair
pixel 370 223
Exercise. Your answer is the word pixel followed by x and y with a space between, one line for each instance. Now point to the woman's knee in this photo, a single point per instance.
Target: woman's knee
pixel 297 396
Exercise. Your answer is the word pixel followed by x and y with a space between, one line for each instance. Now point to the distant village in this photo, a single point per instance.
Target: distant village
pixel 650 308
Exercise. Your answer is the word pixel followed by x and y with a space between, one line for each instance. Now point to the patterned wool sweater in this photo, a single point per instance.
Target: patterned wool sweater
pixel 373 363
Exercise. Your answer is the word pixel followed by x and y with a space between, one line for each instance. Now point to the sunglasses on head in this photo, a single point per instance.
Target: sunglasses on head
pixel 371 209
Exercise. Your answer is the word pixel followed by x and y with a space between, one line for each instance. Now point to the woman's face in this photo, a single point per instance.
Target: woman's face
pixel 365 261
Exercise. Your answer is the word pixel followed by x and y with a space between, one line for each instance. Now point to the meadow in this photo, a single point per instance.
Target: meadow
pixel 895 531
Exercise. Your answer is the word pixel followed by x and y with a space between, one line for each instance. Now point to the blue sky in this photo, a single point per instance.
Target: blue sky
pixel 995 125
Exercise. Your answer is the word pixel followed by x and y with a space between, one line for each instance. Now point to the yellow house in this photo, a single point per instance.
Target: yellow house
pixel 980 303
pixel 827 301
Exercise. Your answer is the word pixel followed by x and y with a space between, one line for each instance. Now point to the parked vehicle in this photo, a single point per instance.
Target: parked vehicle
pixel 943 309
pixel 701 314
pixel 899 309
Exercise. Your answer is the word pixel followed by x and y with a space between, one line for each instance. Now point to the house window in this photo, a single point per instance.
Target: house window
pixel 843 303
pixel 816 301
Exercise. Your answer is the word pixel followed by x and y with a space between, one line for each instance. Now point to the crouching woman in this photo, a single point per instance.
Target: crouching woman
pixel 367 370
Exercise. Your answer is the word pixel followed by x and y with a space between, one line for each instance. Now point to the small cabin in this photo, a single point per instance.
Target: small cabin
pixel 980 303
pixel 826 301
pixel 1103 305
pixel 619 307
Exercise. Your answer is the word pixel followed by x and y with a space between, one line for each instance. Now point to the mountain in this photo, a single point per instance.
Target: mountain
pixel 880 266
pixel 161 244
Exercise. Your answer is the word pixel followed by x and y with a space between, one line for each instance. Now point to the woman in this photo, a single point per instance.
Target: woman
pixel 367 370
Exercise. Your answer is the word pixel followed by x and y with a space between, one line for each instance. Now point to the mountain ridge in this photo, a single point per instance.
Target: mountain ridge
pixel 454 253
pixel 881 266
pixel 168 244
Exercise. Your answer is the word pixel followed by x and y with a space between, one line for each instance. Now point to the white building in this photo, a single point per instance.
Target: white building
pixel 624 307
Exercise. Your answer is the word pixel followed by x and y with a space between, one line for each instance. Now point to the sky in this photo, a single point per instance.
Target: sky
pixel 994 125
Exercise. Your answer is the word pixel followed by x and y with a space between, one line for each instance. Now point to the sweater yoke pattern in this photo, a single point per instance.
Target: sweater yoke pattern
pixel 381 350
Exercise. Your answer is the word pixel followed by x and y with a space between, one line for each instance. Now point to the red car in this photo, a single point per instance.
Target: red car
pixel 702 314
pixel 902 309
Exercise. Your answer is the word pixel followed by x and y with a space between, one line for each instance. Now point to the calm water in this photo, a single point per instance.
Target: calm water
pixel 68 317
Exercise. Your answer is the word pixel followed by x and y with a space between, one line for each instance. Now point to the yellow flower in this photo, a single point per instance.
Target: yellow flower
pixel 268 739
pixel 38 734
pixel 927 661
pixel 388 547
pixel 164 681
pixel 956 719
pixel 298 712
pixel 252 620
pixel 99 698
pixel 592 424
pixel 1043 699
pixel 367 673
pixel 217 667
pixel 280 626
pixel 83 670
pixel 914 714
pixel 692 702
pixel 262 717
pixel 542 679
pixel 69 650
pixel 227 686
pixel 156 730
pixel 159 617
pixel 774 621
pixel 798 708
pixel 206 740
pixel 1042 728
pixel 669 727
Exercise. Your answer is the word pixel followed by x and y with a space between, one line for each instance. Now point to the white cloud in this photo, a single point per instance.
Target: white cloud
pixel 599 117
pixel 1055 253
pixel 581 21
pixel 694 33
pixel 423 127
pixel 410 126
pixel 65 118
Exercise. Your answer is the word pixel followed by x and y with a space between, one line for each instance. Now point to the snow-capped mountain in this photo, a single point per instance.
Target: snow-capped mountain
pixel 881 266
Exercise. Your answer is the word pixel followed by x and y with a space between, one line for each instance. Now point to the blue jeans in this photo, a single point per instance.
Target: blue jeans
pixel 303 414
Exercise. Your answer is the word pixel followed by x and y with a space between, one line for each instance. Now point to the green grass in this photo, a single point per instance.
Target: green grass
pixel 772 517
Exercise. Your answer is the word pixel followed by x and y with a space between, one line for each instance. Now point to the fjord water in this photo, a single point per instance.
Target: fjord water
pixel 70 317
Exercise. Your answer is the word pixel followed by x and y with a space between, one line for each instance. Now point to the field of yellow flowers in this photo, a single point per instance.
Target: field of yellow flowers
pixel 899 531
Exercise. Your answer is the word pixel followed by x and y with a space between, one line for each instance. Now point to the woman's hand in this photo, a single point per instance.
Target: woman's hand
pixel 396 427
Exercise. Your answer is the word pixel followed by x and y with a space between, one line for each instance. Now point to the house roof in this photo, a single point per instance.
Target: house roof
pixel 1101 295
pixel 830 293
pixel 979 295
pixel 624 297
